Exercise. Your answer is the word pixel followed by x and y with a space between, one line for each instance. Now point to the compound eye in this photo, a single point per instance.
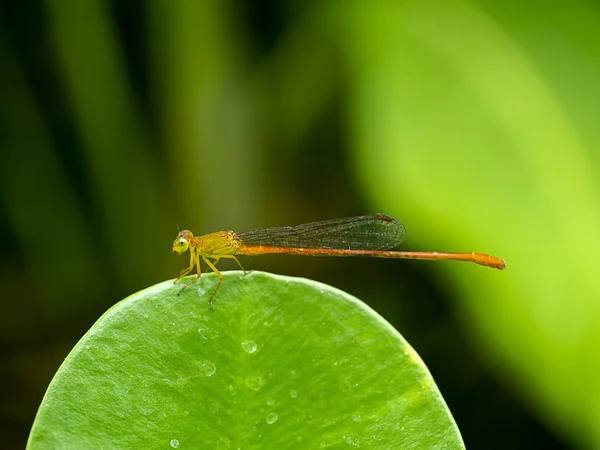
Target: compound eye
pixel 180 245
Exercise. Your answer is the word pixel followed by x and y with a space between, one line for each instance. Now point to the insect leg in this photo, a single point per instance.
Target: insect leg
pixel 236 260
pixel 196 257
pixel 219 274
pixel 187 270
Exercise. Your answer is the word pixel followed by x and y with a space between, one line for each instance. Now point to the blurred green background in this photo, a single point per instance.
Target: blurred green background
pixel 473 122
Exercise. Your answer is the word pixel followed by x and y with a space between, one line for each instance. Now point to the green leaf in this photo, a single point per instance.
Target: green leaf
pixel 279 362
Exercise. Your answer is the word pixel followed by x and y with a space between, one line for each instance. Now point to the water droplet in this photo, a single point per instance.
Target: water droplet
pixel 350 440
pixel 270 402
pixel 323 444
pixel 293 393
pixel 208 333
pixel 206 368
pixel 122 391
pixel 299 439
pixel 265 323
pixel 272 418
pixel 249 346
pixel 175 348
pixel 254 382
pixel 357 418
pixel 201 291
pixel 174 443
pixel 402 429
pixel 148 406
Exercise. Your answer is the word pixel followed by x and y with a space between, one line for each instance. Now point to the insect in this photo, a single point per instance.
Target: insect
pixel 376 235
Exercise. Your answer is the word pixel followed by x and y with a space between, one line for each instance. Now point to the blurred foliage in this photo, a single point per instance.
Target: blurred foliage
pixel 474 122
